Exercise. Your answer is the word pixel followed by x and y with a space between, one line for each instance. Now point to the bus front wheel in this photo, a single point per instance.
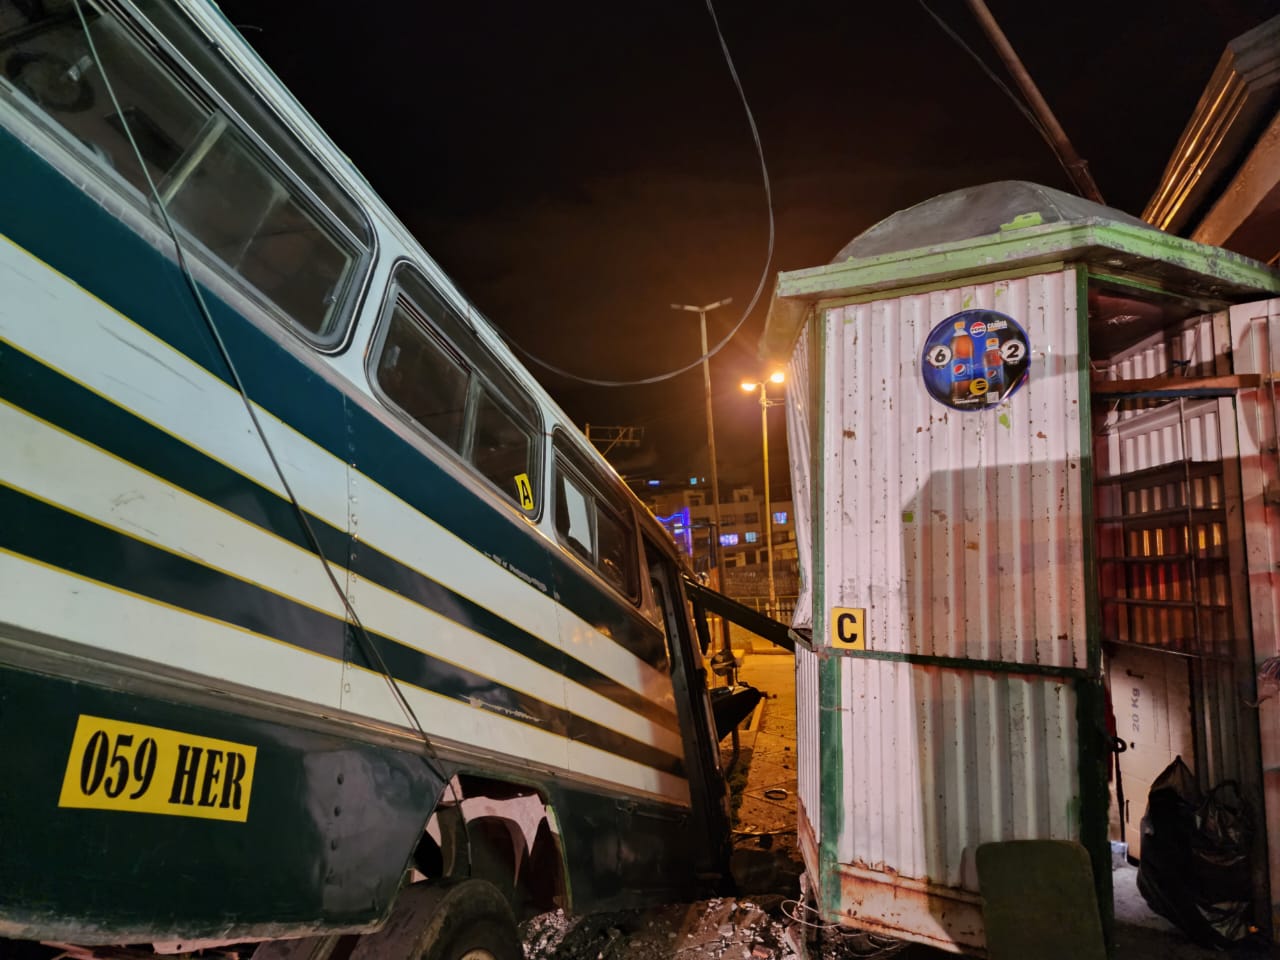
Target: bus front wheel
pixel 468 920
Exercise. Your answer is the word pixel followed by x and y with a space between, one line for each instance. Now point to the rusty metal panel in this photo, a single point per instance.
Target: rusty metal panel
pixel 961 535
pixel 808 765
pixel 945 917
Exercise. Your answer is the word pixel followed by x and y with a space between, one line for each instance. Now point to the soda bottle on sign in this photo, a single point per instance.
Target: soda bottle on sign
pixel 993 364
pixel 961 362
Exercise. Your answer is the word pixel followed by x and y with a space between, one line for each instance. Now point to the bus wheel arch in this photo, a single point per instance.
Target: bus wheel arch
pixel 500 832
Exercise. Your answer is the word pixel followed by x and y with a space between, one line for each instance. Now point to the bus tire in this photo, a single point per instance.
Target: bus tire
pixel 445 922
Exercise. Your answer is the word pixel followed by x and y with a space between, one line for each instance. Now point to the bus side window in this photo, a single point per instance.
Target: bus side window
pixel 616 545
pixel 420 376
pixel 272 235
pixel 594 527
pixel 573 517
pixel 664 580
pixel 430 366
pixel 501 448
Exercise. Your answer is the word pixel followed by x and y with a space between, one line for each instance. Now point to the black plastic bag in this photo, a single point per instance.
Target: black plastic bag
pixel 1195 869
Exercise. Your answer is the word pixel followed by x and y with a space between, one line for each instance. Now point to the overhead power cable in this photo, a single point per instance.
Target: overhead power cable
pixel 764 272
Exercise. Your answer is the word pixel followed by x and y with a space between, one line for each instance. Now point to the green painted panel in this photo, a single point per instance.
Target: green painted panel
pixel 1091 732
pixel 1115 244
pixel 328 824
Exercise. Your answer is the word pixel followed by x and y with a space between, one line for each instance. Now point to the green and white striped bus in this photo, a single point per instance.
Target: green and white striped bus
pixel 307 589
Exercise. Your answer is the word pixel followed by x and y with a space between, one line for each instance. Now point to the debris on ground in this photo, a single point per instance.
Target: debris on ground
pixel 767 920
pixel 766 928
pixel 718 929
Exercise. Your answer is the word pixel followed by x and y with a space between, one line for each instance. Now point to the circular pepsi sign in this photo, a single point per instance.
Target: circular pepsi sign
pixel 974 359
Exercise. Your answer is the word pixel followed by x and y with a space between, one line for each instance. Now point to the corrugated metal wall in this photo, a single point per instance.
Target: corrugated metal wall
pixel 808 762
pixel 799 423
pixel 961 535
pixel 1202 348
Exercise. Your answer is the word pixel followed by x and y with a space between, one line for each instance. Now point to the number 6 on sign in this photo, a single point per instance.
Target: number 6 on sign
pixel 847 628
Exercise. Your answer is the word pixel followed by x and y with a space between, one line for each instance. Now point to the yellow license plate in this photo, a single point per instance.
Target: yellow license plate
pixel 132 767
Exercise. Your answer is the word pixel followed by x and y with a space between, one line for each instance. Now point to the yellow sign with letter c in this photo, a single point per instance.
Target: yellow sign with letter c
pixel 848 626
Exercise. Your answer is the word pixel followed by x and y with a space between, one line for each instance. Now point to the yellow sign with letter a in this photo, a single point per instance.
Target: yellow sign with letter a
pixel 848 628
pixel 525 491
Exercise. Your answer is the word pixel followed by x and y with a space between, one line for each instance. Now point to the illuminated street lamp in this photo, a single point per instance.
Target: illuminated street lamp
pixel 765 404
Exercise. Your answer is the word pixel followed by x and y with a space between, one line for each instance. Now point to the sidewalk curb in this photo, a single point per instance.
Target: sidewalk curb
pixel 747 735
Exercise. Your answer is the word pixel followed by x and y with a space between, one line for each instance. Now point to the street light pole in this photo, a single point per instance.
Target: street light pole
pixel 1076 167
pixel 765 404
pixel 768 512
pixel 711 430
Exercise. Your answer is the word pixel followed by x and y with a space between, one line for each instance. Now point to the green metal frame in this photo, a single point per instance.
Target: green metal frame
pixel 830 734
pixel 1124 245
pixel 1091 732
pixel 1167 261
pixel 964 663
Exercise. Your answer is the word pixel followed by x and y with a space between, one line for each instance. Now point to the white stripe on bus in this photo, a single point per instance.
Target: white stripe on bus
pixel 98 347
pixel 365 693
pixel 43 599
pixel 60 469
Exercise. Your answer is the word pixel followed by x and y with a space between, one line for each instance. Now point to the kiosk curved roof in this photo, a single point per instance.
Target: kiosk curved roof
pixel 975 212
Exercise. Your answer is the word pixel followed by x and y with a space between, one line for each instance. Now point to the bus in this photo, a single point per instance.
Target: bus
pixel 319 619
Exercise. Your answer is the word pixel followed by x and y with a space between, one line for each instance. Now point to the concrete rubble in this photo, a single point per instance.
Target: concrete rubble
pixel 766 922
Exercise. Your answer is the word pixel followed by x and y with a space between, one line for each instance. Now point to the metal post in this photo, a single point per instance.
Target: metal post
pixel 711 436
pixel 768 511
pixel 765 404
pixel 1076 166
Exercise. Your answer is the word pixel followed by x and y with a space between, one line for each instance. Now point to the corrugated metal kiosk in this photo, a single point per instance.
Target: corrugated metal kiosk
pixel 1036 440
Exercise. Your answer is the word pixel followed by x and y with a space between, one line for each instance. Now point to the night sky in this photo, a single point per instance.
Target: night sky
pixel 578 167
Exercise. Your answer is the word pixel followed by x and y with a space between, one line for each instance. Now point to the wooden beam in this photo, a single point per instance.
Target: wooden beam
pixel 1175 385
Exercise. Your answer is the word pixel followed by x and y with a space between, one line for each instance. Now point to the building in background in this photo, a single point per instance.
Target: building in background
pixel 741 547
pixel 1221 185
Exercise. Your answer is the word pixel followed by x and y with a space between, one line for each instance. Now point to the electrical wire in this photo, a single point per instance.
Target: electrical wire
pixel 995 78
pixel 431 758
pixel 854 943
pixel 764 272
